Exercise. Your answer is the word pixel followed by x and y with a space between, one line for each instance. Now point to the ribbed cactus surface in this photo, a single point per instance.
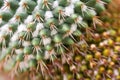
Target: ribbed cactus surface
pixel 46 37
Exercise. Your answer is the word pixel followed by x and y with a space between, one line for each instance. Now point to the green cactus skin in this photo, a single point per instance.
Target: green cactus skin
pixel 1 3
pixel 107 1
pixel 99 7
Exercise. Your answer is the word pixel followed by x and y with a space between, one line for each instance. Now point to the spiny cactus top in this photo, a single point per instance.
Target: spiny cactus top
pixel 35 34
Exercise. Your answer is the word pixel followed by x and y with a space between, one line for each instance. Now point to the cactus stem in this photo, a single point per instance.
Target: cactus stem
pixel 55 40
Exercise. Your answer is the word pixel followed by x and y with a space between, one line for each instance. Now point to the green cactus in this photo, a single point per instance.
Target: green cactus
pixel 39 35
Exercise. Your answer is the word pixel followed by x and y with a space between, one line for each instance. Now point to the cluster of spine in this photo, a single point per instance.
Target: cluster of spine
pixel 48 38
pixel 103 60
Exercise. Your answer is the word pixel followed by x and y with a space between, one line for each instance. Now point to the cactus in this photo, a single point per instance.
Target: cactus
pixel 47 38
